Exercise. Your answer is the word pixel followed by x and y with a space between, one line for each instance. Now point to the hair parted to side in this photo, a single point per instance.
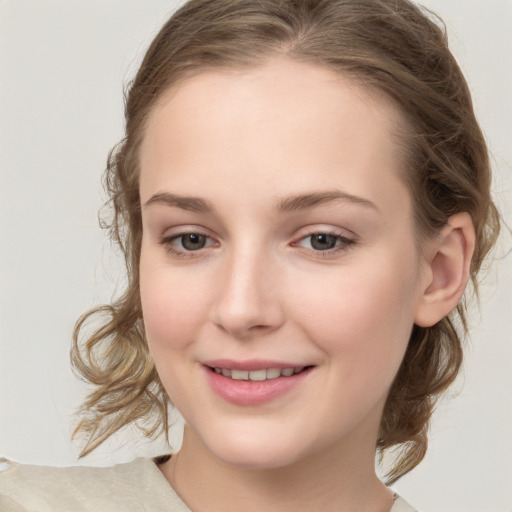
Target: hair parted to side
pixel 389 46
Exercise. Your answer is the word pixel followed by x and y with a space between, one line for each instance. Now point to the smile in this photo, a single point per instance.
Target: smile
pixel 258 375
pixel 252 383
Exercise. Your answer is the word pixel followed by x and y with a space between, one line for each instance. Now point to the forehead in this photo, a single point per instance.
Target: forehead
pixel 287 125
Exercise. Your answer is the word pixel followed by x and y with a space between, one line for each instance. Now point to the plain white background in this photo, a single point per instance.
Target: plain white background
pixel 63 65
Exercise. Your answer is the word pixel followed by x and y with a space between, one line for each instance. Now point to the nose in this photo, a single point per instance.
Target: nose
pixel 248 299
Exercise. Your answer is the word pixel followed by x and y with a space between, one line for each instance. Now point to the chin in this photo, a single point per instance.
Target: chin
pixel 258 459
pixel 253 452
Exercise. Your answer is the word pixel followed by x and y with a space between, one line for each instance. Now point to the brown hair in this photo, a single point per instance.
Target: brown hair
pixel 391 46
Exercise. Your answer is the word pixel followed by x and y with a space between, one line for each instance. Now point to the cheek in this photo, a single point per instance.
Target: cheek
pixel 361 317
pixel 172 307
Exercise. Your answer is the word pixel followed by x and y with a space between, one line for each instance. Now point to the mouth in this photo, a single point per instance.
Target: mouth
pixel 259 375
pixel 255 382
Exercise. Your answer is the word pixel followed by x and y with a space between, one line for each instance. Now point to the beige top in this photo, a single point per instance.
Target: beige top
pixel 137 486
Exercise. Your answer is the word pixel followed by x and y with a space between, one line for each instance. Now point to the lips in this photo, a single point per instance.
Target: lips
pixel 253 382
pixel 258 375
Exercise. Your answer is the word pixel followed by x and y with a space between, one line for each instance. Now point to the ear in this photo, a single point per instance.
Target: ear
pixel 447 265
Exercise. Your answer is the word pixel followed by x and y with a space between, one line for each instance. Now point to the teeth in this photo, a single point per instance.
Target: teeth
pixel 239 374
pixel 273 373
pixel 259 375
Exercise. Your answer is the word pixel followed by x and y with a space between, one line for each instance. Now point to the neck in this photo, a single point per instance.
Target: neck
pixel 340 479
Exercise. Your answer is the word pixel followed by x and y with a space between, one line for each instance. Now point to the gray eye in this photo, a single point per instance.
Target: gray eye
pixel 193 241
pixel 323 241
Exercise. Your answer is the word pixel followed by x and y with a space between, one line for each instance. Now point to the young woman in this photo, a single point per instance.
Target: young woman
pixel 302 196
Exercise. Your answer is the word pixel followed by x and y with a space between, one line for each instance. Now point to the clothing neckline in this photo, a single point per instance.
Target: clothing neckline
pixel 399 504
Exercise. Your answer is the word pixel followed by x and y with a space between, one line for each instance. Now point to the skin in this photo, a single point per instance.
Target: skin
pixel 243 142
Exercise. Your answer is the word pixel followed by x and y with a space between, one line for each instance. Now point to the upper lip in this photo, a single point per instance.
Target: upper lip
pixel 251 364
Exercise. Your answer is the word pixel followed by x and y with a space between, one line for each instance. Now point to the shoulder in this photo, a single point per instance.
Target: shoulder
pixel 134 486
pixel 400 505
pixel 27 487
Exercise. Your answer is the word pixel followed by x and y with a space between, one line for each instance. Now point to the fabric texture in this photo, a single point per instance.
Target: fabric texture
pixel 137 486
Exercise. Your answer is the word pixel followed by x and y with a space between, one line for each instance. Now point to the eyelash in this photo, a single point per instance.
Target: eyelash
pixel 167 242
pixel 343 243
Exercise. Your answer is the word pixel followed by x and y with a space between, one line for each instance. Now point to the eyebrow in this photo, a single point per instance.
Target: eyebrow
pixel 192 204
pixel 288 204
pixel 306 201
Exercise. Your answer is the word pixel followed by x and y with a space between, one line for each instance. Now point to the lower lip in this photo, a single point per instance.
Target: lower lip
pixel 247 392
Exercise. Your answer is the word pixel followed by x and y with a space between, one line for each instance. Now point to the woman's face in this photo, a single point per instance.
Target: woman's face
pixel 277 238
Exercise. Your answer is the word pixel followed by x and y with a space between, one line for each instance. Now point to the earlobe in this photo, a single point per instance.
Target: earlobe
pixel 449 261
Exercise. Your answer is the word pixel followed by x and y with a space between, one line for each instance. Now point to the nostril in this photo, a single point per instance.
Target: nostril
pixel 258 327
